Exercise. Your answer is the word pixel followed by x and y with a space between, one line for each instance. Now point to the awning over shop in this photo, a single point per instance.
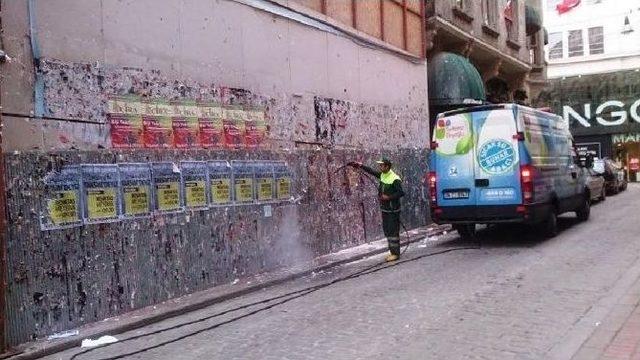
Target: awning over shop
pixel 533 20
pixel 453 80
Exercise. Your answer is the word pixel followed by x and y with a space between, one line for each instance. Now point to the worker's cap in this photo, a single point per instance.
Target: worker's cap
pixel 384 161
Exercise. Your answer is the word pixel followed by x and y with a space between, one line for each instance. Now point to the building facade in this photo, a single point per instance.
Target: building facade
pixel 594 75
pixel 503 41
pixel 155 148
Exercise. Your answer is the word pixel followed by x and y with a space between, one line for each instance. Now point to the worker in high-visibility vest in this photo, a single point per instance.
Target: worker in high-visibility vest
pixel 389 194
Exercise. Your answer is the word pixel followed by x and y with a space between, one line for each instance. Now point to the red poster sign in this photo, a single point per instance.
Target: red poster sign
pixel 185 125
pixel 234 128
pixel 126 131
pixel 255 128
pixel 158 127
pixel 210 125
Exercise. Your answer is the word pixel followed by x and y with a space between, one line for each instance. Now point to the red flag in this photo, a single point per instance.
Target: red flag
pixel 566 6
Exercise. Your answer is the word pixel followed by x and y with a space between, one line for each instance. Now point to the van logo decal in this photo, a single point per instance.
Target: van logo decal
pixel 496 157
pixel 453 171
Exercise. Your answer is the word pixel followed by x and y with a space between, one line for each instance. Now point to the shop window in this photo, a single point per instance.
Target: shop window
pixel 556 46
pixel 576 43
pixel 596 40
pixel 511 20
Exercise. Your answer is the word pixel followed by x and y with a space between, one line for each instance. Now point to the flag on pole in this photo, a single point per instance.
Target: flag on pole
pixel 566 6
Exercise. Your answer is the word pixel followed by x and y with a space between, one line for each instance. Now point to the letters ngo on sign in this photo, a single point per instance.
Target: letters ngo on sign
pixel 615 108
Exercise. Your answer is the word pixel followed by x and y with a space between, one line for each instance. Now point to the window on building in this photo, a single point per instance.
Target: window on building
pixel 576 43
pixel 511 19
pixel 552 4
pixel 461 4
pixel 489 13
pixel 534 51
pixel 556 46
pixel 596 40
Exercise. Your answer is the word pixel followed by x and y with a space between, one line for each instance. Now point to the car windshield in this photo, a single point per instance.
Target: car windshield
pixel 598 166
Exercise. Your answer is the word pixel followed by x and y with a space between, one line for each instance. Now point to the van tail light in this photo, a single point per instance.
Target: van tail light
pixel 526 182
pixel 519 136
pixel 434 145
pixel 433 191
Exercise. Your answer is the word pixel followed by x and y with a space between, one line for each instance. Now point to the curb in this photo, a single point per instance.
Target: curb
pixel 63 345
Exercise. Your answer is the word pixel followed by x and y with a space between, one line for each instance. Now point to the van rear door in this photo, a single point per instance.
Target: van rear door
pixel 497 165
pixel 478 159
pixel 454 163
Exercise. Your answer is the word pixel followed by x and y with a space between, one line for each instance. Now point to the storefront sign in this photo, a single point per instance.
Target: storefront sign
pixel 609 113
pixel 595 149
pixel 625 138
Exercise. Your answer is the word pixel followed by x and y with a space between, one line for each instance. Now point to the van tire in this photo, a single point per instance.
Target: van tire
pixel 549 226
pixel 584 210
pixel 466 231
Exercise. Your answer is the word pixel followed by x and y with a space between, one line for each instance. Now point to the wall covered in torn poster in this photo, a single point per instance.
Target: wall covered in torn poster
pixel 326 100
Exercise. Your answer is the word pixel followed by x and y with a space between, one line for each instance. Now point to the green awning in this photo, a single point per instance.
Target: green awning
pixel 453 80
pixel 533 20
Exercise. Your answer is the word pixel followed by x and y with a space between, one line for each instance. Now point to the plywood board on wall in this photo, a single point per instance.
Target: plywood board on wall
pixel 393 28
pixel 368 17
pixel 414 5
pixel 311 4
pixel 414 34
pixel 340 10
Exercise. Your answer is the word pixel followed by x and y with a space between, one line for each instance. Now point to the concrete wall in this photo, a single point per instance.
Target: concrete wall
pixel 207 50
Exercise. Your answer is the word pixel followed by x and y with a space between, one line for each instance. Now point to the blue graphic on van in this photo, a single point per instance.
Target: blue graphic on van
pixel 496 157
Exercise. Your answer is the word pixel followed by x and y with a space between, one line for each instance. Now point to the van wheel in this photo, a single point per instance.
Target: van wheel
pixel 466 231
pixel 550 225
pixel 584 210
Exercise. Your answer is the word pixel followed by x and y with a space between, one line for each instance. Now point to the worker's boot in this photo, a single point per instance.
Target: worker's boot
pixel 391 258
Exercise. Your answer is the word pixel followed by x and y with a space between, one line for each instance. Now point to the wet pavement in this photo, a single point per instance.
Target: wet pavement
pixel 518 296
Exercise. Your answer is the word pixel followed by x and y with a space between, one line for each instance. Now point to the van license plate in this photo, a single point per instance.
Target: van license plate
pixel 459 194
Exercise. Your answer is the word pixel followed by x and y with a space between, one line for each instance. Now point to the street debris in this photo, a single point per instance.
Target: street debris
pixel 103 340
pixel 62 335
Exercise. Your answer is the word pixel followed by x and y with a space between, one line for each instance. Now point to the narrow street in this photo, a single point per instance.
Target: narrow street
pixel 518 297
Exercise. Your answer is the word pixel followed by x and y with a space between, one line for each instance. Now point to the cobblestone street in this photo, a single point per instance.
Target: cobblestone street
pixel 517 297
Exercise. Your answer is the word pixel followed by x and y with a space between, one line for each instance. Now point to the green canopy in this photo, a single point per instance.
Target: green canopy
pixel 453 80
pixel 533 20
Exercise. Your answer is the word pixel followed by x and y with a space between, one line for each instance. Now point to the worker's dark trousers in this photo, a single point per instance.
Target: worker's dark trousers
pixel 391 228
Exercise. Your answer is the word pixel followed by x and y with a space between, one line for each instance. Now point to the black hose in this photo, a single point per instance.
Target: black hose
pixel 298 294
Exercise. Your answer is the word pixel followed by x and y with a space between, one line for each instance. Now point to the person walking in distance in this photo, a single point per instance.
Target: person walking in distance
pixel 389 194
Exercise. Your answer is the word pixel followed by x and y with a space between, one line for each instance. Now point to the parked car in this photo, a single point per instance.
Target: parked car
pixel 596 185
pixel 614 175
pixel 504 164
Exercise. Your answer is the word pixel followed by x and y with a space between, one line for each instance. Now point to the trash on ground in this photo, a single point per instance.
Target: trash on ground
pixel 62 335
pixel 103 340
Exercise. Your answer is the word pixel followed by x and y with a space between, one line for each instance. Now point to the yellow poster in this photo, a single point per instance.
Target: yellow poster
pixel 220 191
pixel 265 189
pixel 196 193
pixel 102 203
pixel 136 200
pixel 168 194
pixel 63 207
pixel 284 188
pixel 244 189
